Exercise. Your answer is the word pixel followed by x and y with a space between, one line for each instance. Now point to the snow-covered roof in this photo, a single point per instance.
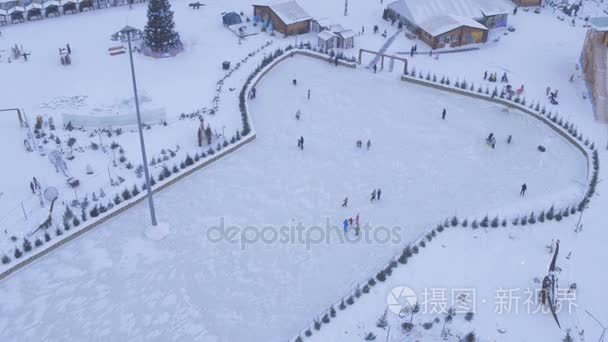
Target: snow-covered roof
pixel 599 23
pixel 289 11
pixel 346 34
pixel 418 11
pixel 326 35
pixel 324 22
pixel 445 23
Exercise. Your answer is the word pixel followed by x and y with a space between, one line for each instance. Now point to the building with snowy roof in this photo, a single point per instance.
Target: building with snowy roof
pixel 442 23
pixel 594 57
pixel 527 3
pixel 287 17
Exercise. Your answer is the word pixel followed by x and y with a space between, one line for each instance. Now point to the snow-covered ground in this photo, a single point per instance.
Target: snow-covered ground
pixel 115 283
pixel 188 288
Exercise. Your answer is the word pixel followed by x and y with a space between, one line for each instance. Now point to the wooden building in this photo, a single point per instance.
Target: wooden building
pixel 288 18
pixel 595 68
pixel 528 3
pixel 451 31
pixel 450 23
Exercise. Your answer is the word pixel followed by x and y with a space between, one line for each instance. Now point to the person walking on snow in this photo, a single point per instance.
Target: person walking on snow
pixel 32 187
pixel 309 94
pixel 548 90
pixel 379 192
pixel 524 188
pixel 375 68
pixel 373 196
pixel 298 114
pixel 485 75
pixel 345 223
pixel 345 202
pixel 301 142
pixel 443 114
pixel 369 144
pixel 357 220
pixel 350 221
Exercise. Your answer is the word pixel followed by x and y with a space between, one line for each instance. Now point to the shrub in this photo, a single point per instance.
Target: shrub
pixel 27 245
pixel 18 253
pixel 427 325
pixel 94 212
pixel 135 190
pixel 550 213
pixel 332 311
pixel 365 288
pixel 317 325
pixel 470 337
pixel 342 305
pixel 454 221
pixel 494 222
pixel 474 224
pixel 76 222
pixel 126 195
pixel 350 300
pixel 325 319
pixel 371 282
pixel 38 242
pixel 415 249
pixel 58 232
pixel 381 276
pixel 484 222
pixel 47 237
pixel 189 160
pixel 308 333
pixel 5 259
pixel 469 316
pixel 465 223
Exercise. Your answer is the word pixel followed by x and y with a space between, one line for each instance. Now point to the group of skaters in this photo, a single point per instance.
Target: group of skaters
pixel 349 223
pixel 375 196
pixel 491 140
pixel 368 145
pixel 493 77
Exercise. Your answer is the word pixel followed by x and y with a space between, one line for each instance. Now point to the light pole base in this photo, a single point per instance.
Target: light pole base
pixel 157 233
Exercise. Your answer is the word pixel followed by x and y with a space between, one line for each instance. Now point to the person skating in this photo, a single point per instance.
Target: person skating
pixel 350 221
pixel 443 114
pixel 345 202
pixel 345 224
pixel 301 143
pixel 524 188
pixel 32 187
pixel 373 196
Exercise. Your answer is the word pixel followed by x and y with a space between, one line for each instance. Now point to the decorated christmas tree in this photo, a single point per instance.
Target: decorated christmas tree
pixel 160 36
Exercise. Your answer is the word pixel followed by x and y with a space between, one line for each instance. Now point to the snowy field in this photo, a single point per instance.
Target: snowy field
pixel 113 283
pixel 98 84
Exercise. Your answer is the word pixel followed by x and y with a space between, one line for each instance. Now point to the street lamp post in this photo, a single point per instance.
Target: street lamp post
pixel 127 30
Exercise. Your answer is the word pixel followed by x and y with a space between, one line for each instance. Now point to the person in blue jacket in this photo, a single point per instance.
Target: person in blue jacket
pixel 345 225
